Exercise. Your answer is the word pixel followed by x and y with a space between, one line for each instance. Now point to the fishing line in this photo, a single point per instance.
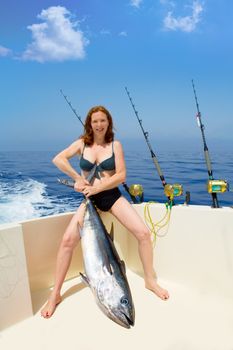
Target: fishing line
pixel 133 198
pixel 213 186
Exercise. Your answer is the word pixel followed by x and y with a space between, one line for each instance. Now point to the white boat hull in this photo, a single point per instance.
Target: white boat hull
pixel 194 261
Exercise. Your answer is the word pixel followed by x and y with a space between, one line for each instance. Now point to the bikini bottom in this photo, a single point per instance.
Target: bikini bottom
pixel 104 200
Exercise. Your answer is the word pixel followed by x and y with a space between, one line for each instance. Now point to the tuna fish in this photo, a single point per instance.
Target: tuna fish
pixel 104 270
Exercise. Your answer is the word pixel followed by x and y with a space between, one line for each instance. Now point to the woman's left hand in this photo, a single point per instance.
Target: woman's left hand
pixel 90 190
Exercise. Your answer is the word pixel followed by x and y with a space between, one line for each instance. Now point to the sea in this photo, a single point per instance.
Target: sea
pixel 29 186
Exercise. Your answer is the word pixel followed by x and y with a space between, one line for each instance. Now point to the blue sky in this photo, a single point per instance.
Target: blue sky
pixel 93 49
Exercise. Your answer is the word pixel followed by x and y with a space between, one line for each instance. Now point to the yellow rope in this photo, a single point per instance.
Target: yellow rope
pixel 156 227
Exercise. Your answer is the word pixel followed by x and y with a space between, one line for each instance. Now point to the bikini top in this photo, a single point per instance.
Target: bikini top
pixel 106 164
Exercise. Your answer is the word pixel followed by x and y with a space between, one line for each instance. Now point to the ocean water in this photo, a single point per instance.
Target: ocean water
pixel 29 186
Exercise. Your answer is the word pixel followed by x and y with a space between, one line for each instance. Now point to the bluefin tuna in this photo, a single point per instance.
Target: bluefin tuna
pixel 105 272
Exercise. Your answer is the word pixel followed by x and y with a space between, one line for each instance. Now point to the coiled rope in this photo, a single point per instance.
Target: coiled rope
pixel 155 227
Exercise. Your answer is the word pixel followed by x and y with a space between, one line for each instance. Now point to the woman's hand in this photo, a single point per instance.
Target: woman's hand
pixel 80 184
pixel 90 190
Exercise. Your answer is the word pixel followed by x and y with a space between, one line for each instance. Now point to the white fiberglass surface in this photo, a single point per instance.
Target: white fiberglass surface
pixel 189 320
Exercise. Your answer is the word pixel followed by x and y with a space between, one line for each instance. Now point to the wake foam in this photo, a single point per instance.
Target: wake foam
pixel 26 199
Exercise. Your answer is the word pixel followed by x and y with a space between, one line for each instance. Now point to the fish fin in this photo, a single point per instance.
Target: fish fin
pixel 120 262
pixel 123 266
pixel 111 233
pixel 107 264
pixel 84 279
pixel 108 267
pixel 66 182
pixel 106 260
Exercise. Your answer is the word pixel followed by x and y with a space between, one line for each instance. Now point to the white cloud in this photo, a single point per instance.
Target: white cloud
pixel 123 33
pixel 167 2
pixel 186 23
pixel 4 51
pixel 135 3
pixel 105 32
pixel 56 38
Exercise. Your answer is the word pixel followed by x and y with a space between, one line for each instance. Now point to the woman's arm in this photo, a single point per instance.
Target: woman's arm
pixel 114 180
pixel 61 160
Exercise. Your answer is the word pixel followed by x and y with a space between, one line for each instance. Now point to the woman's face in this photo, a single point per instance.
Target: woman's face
pixel 99 123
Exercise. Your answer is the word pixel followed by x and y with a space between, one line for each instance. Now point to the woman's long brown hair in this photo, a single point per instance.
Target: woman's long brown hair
pixel 87 136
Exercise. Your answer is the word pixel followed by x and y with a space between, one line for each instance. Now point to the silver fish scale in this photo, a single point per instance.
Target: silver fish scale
pixel 104 272
pixel 98 247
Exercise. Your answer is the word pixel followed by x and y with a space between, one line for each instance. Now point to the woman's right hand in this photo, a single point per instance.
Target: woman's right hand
pixel 80 184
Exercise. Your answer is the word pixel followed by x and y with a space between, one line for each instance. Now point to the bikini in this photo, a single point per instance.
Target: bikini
pixel 103 200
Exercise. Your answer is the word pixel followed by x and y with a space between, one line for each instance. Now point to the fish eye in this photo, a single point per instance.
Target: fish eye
pixel 124 301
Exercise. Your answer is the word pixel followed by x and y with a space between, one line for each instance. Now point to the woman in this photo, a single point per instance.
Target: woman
pixel 97 146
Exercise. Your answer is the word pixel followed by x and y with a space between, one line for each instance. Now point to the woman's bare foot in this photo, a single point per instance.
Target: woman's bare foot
pixel 50 306
pixel 155 288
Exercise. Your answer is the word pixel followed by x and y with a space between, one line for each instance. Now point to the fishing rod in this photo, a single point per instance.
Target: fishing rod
pixel 133 197
pixel 170 190
pixel 73 110
pixel 213 186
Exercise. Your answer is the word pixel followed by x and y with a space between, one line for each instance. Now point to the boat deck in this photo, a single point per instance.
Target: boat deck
pixel 189 320
pixel 193 259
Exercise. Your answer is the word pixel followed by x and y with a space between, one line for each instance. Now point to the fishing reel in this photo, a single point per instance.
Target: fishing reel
pixel 136 191
pixel 217 186
pixel 174 190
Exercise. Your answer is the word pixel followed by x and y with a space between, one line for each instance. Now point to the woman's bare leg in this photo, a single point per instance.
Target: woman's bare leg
pixel 69 241
pixel 128 217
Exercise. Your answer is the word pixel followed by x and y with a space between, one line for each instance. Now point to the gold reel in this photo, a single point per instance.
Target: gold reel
pixel 217 186
pixel 136 190
pixel 174 190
